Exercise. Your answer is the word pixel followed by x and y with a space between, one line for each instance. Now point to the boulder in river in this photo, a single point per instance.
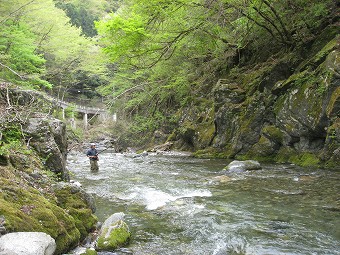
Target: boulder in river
pixel 114 233
pixel 241 166
pixel 27 243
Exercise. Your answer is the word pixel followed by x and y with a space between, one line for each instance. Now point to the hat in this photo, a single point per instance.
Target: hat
pixel 92 144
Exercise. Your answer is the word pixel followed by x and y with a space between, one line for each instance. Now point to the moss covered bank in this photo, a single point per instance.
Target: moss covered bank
pixel 35 195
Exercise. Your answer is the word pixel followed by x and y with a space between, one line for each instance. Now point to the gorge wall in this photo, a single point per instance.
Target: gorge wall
pixel 284 110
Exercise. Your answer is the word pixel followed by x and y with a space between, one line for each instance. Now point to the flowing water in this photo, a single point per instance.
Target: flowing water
pixel 176 206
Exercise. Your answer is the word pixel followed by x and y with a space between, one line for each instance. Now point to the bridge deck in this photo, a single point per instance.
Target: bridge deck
pixel 80 108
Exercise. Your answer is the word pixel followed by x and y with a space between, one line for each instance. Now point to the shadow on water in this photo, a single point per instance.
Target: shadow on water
pixel 175 206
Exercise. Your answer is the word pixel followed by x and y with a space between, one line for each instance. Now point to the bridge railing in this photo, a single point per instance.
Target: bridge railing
pixel 79 108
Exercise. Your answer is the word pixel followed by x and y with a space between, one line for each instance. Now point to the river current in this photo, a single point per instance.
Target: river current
pixel 175 205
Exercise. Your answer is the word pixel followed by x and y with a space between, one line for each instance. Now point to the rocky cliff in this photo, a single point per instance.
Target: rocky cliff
pixel 34 193
pixel 284 110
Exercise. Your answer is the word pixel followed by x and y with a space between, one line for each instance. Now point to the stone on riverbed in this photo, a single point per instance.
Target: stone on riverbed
pixel 114 233
pixel 222 179
pixel 27 243
pixel 241 166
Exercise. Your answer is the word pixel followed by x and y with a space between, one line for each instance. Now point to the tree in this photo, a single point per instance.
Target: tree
pixel 39 42
pixel 19 60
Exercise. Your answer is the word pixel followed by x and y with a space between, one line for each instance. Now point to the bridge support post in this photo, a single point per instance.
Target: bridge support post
pixel 73 123
pixel 85 121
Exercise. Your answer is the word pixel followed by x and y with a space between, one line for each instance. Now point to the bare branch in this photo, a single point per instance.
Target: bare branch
pixel 7 67
pixel 278 18
pixel 7 97
pixel 271 22
pixel 21 7
pixel 43 38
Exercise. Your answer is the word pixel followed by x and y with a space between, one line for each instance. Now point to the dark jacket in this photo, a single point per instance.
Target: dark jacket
pixel 92 152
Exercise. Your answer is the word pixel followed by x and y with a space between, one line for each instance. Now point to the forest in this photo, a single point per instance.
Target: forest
pixel 160 64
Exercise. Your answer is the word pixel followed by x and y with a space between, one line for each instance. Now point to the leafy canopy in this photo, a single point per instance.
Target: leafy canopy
pixel 164 50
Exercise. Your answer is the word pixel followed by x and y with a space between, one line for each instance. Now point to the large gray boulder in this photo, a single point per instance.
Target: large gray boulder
pixel 241 166
pixel 27 243
pixel 48 137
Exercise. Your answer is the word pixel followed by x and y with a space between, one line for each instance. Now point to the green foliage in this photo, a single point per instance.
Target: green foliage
pixel 39 47
pixel 130 32
pixel 7 148
pixel 11 133
pixel 168 52
pixel 143 124
pixel 80 17
pixel 12 140
pixel 69 111
pixel 18 56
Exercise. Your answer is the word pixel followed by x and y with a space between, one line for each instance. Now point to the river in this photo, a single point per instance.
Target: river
pixel 174 205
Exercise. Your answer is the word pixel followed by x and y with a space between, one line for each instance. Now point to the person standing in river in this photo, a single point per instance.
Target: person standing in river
pixel 92 154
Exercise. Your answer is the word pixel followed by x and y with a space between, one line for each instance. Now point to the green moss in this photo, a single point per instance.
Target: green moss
pixel 118 237
pixel 263 150
pixel 208 152
pixel 205 134
pixel 273 133
pixel 289 155
pixel 323 53
pixel 73 202
pixel 284 155
pixel 26 210
pixel 85 221
pixel 308 159
pixel 280 103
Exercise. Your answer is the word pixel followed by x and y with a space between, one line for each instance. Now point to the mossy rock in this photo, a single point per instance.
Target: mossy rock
pixel 264 150
pixel 290 155
pixel 211 152
pixel 31 209
pixel 321 55
pixel 26 210
pixel 273 133
pixel 75 201
pixel 114 236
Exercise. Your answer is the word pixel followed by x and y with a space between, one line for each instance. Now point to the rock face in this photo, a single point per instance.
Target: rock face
pixel 27 243
pixel 48 137
pixel 285 110
pixel 114 233
pixel 30 200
